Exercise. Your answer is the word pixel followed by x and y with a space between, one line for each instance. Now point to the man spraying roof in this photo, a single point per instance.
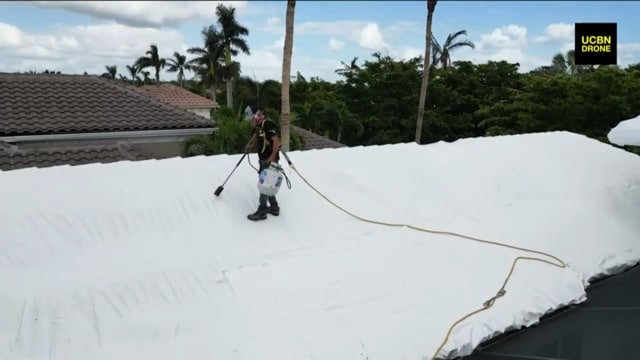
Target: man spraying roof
pixel 266 142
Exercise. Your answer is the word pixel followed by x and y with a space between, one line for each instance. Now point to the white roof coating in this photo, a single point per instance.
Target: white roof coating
pixel 139 260
pixel 627 132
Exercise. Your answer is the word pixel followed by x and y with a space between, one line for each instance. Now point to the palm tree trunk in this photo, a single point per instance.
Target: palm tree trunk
pixel 285 112
pixel 431 7
pixel 229 79
pixel 230 93
pixel 212 91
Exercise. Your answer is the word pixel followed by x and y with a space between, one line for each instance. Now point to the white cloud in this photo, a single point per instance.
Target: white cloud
pixel 405 28
pixel 629 48
pixel 371 37
pixel 144 13
pixel 277 45
pixel 267 64
pixel 506 37
pixel 352 30
pixel 367 35
pixel 557 33
pixel 411 53
pixel 275 24
pixel 311 66
pixel 506 43
pixel 510 43
pixel 74 50
pixel 348 29
pixel 405 52
pixel 628 54
pixel 10 36
pixel 335 45
pixel 567 46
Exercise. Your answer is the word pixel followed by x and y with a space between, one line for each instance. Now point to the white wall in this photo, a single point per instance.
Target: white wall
pixel 202 112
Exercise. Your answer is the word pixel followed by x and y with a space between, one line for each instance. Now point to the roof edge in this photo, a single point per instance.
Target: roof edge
pixel 107 135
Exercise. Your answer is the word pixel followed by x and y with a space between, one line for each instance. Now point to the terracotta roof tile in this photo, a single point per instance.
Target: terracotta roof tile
pixel 49 104
pixel 13 157
pixel 175 95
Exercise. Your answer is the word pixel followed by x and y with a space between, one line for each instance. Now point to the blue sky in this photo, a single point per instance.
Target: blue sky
pixel 74 37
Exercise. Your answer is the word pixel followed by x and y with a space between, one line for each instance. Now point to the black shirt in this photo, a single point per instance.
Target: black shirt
pixel 264 139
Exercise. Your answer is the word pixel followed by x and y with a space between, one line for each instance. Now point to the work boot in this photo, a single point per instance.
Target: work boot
pixel 260 214
pixel 274 210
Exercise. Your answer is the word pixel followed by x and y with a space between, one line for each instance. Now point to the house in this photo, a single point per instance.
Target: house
pixel 52 119
pixel 179 97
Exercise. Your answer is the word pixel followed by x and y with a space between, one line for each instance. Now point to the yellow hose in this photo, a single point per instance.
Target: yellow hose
pixel 487 304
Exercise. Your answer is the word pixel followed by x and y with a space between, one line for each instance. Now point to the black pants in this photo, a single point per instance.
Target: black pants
pixel 271 199
pixel 264 198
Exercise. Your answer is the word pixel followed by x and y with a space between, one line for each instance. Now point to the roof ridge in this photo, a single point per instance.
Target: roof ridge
pixel 138 95
pixel 19 74
pixel 185 97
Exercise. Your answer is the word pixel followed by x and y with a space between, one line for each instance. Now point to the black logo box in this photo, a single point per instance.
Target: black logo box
pixel 596 43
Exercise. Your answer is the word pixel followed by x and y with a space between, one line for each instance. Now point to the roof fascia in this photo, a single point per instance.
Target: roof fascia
pixel 142 134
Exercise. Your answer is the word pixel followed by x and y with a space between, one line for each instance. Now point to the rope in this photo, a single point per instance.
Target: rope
pixel 487 304
pixel 287 178
pixel 250 164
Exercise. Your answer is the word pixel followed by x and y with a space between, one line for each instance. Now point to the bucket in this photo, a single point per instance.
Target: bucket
pixel 270 180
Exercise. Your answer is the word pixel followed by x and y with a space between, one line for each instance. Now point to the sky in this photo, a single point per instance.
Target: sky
pixel 74 37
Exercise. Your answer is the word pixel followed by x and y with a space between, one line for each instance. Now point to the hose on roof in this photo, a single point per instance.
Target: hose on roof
pixel 551 259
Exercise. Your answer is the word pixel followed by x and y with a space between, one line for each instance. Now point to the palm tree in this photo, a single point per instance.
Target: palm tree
pixel 178 64
pixel 559 64
pixel 285 111
pixel 442 54
pixel 153 60
pixel 571 62
pixel 342 118
pixel 133 71
pixel 146 80
pixel 112 70
pixel 231 71
pixel 232 42
pixel 431 7
pixel 208 60
pixel 566 64
pixel 348 69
